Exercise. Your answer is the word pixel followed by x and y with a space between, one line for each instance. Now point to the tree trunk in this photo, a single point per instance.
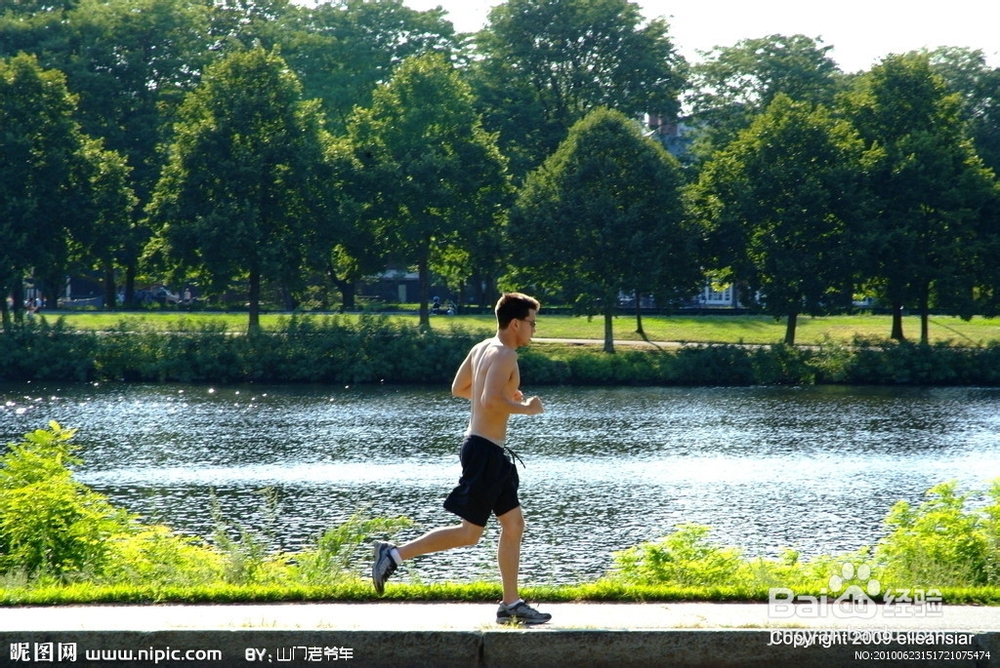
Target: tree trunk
pixel 424 274
pixel 348 293
pixel 290 303
pixel 638 315
pixel 253 323
pixel 897 322
pixel 793 319
pixel 110 298
pixel 925 313
pixel 129 300
pixel 5 316
pixel 609 334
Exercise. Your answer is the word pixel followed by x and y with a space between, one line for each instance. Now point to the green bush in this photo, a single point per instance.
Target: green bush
pixel 685 557
pixel 49 522
pixel 335 555
pixel 714 365
pixel 38 350
pixel 940 543
pixel 374 348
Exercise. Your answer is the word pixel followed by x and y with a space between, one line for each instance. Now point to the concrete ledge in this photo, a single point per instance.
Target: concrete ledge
pixel 717 648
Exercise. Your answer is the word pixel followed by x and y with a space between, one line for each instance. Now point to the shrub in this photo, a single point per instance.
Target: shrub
pixel 335 555
pixel 685 558
pixel 939 543
pixel 49 522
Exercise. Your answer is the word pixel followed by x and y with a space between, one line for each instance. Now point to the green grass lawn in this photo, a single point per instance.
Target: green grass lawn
pixel 752 329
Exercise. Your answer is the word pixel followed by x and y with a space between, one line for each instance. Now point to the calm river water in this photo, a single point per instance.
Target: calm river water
pixel 814 469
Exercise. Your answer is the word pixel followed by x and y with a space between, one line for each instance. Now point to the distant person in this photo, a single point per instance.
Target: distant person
pixel 489 378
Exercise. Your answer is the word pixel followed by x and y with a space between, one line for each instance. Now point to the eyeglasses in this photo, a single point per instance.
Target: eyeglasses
pixel 530 322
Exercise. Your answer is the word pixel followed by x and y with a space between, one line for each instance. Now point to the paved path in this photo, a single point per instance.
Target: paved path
pixel 694 635
pixel 388 616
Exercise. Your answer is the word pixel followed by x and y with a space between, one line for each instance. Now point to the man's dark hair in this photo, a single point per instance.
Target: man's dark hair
pixel 514 306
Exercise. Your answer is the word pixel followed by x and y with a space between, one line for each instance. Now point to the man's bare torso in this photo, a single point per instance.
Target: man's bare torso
pixel 494 369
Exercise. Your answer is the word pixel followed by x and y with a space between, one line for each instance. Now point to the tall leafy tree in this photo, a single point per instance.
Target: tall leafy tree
pixel 546 63
pixel 734 84
pixel 129 62
pixel 602 216
pixel 47 188
pixel 243 194
pixel 109 211
pixel 431 172
pixel 928 185
pixel 783 201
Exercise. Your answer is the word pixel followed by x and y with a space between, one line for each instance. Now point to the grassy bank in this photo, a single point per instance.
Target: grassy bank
pixel 734 329
pixel 393 349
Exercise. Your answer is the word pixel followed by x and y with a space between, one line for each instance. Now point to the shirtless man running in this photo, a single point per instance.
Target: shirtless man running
pixel 490 380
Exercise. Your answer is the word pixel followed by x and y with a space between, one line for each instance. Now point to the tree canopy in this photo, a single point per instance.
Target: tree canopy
pixel 602 217
pixel 431 171
pixel 543 65
pixel 784 201
pixel 242 196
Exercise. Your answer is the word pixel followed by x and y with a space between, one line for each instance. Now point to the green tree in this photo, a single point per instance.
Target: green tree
pixel 602 216
pixel 928 187
pixel 734 84
pixel 965 72
pixel 108 210
pixel 45 191
pixel 431 174
pixel 129 62
pixel 342 49
pixel 971 287
pixel 783 201
pixel 243 194
pixel 544 64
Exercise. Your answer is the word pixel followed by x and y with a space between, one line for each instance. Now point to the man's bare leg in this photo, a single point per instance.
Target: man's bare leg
pixel 509 552
pixel 446 538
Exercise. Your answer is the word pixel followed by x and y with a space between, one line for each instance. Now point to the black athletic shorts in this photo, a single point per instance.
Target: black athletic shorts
pixel 488 484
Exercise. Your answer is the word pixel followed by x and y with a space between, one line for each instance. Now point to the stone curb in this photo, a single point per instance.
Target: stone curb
pixel 716 648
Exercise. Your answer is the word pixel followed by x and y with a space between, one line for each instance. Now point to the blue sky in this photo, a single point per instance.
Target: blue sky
pixel 861 31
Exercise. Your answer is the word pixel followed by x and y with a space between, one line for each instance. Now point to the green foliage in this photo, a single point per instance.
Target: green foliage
pixel 781 201
pixel 374 348
pixel 942 543
pixel 735 83
pixel 49 522
pixel 54 530
pixel 157 557
pixel 544 65
pixel 40 350
pixel 713 365
pixel 685 557
pixel 247 143
pixel 335 555
pixel 604 216
pixel 948 542
pixel 436 180
pixel 245 550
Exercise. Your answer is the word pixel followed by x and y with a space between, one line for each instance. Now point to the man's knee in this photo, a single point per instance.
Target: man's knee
pixel 469 533
pixel 512 523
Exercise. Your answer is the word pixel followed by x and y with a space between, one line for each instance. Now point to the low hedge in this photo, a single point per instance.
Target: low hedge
pixel 375 349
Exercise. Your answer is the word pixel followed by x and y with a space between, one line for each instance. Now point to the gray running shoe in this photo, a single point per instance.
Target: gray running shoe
pixel 521 613
pixel 384 565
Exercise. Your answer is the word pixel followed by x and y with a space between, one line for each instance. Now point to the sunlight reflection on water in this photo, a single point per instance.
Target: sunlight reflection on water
pixel 814 469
